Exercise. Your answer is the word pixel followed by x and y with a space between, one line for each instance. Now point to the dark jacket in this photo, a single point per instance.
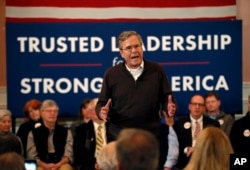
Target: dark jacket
pixel 23 132
pixel 226 121
pixel 240 135
pixel 184 135
pixel 84 146
pixel 41 141
pixel 134 103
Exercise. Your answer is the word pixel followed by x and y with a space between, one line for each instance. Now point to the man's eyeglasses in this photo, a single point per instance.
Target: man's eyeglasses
pixel 51 111
pixel 197 104
pixel 130 48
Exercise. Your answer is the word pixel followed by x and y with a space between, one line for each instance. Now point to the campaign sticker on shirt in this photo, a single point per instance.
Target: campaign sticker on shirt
pixel 187 125
pixel 246 133
pixel 37 125
pixel 221 121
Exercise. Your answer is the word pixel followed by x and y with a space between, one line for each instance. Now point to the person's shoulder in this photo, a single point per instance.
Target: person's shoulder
pixel 59 126
pixel 84 126
pixel 28 125
pixel 242 120
pixel 208 121
pixel 111 71
pixel 182 122
pixel 153 67
pixel 222 114
pixel 81 126
pixel 107 124
pixel 149 63
pixel 24 126
pixel 38 128
pixel 228 117
pixel 115 67
pixel 11 134
pixel 183 118
pixel 77 123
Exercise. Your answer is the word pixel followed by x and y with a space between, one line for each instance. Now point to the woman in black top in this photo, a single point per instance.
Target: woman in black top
pixel 32 118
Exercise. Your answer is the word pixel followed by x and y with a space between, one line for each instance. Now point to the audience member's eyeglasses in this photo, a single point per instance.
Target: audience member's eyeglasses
pixel 51 111
pixel 197 104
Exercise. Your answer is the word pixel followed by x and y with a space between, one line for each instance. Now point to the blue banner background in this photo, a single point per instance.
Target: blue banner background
pixel 92 65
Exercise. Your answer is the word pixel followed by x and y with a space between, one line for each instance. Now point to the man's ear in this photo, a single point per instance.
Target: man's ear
pixel 121 54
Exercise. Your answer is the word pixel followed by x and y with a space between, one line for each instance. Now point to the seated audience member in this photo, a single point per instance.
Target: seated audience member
pixel 32 119
pixel 11 161
pixel 137 149
pixel 89 139
pixel 188 128
pixel 212 151
pixel 106 159
pixel 84 116
pixel 8 140
pixel 213 102
pixel 10 143
pixel 50 144
pixel 240 134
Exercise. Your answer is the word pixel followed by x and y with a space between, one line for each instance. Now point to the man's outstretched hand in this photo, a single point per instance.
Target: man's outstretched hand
pixel 171 106
pixel 105 110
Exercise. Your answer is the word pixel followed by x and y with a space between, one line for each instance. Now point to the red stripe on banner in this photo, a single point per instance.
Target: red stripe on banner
pixel 51 20
pixel 185 63
pixel 95 11
pixel 115 3
pixel 72 65
pixel 99 64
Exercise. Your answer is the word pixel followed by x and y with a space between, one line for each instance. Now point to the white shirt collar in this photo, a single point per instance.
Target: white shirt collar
pixel 96 125
pixel 138 68
pixel 194 120
pixel 137 71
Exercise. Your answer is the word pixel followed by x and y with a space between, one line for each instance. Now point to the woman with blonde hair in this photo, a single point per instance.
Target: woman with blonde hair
pixel 212 151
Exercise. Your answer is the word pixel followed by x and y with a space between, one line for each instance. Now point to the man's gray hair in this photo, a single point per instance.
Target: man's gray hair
pixel 106 159
pixel 48 103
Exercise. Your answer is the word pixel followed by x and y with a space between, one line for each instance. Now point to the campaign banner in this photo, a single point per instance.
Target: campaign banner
pixel 66 61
